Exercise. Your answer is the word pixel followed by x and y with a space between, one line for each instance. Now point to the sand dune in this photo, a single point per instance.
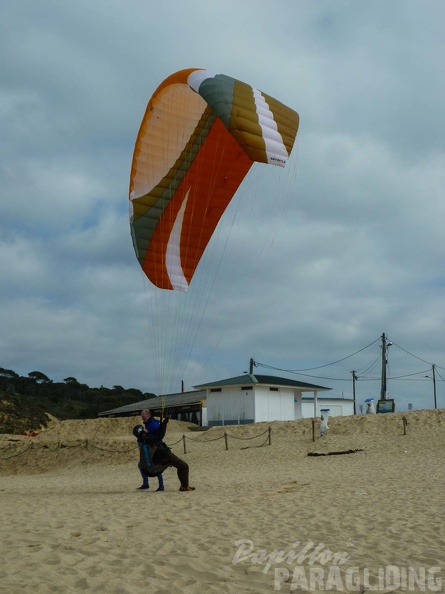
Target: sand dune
pixel 73 521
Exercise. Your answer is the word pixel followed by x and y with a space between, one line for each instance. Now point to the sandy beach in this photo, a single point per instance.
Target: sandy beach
pixel 263 518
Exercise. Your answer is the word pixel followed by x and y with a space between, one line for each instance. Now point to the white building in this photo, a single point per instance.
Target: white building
pixel 240 400
pixel 253 398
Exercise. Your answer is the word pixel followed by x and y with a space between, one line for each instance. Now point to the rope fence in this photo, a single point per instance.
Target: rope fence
pixel 60 446
pixel 226 436
pixel 88 444
pixel 316 422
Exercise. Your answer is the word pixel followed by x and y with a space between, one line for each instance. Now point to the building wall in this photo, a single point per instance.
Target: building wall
pixel 233 405
pixel 252 404
pixel 274 405
pixel 204 421
pixel 297 405
pixel 337 408
pixel 230 406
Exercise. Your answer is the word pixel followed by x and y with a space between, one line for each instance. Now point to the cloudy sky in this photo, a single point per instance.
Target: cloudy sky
pixel 310 264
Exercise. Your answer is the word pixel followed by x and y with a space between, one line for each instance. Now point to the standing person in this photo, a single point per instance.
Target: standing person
pixel 155 456
pixel 151 425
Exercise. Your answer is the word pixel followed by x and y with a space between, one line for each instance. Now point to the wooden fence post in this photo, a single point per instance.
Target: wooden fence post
pixel 183 443
pixel 270 435
pixel 405 423
pixel 225 439
pixel 313 429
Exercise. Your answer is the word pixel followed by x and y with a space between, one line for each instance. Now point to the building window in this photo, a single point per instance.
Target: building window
pixel 274 389
pixel 215 390
pixel 247 388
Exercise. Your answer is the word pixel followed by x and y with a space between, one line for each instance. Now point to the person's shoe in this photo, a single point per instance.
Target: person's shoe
pixel 186 488
pixel 143 487
pixel 160 489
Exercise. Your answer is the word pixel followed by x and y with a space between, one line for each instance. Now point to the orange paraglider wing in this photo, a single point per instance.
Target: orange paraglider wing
pixel 200 135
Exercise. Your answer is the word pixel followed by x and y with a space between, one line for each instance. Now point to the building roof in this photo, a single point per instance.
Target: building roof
pixel 157 403
pixel 268 380
pixel 182 399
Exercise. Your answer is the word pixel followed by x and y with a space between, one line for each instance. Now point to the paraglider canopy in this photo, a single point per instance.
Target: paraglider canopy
pixel 200 135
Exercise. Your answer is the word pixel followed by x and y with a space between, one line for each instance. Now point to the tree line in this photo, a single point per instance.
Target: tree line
pixel 69 399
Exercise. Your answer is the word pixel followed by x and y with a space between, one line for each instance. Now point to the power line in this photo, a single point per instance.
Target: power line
pixel 439 374
pixel 409 375
pixel 320 366
pixel 370 367
pixel 412 355
pixel 361 378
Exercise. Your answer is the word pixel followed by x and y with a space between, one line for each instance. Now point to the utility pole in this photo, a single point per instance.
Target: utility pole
pixel 251 364
pixel 384 362
pixel 434 386
pixel 354 377
pixel 385 346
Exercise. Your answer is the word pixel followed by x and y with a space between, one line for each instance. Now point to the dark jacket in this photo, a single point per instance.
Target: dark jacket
pixel 154 453
pixel 155 436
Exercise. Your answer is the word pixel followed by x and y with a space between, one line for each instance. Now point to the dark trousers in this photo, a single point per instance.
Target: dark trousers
pixel 182 468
